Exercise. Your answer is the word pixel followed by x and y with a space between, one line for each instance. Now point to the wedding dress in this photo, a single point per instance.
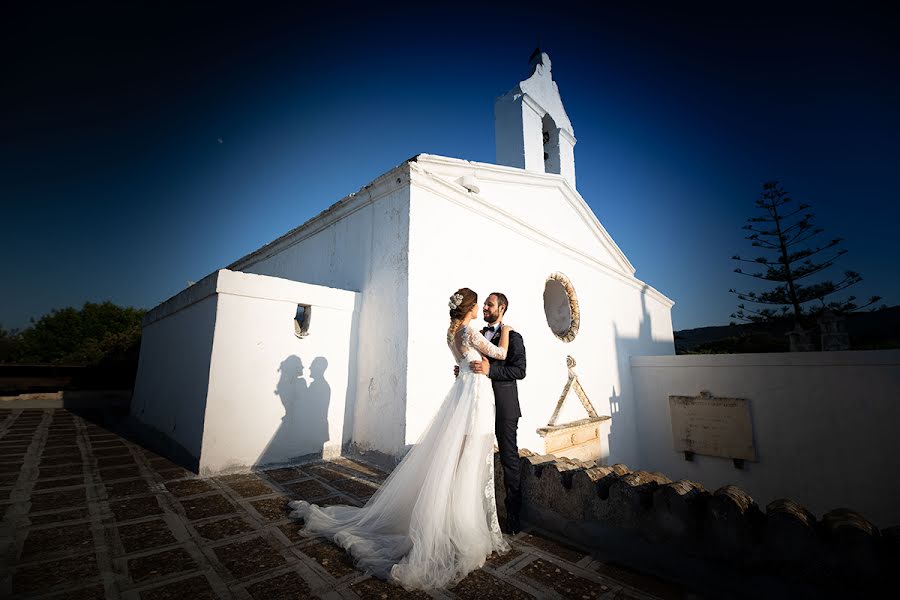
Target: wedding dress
pixel 434 519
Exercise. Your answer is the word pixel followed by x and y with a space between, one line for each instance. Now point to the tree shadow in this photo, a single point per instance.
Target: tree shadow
pixel 304 426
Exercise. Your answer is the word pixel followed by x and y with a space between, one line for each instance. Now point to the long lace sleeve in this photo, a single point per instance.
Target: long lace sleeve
pixel 477 341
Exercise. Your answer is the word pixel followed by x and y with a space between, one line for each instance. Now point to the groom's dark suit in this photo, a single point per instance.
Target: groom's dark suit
pixel 503 375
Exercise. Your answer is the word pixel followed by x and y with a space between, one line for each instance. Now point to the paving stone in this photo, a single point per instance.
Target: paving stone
pixel 497 560
pixel 360 468
pixel 115 461
pixel 103 439
pixel 223 528
pixel 172 474
pixel 289 586
pixel 248 487
pixel 481 585
pixel 68 451
pixel 64 538
pixel 162 464
pixel 332 558
pixel 325 473
pixel 57 500
pixel 309 489
pixel 161 564
pixel 135 508
pixel 60 442
pixel 56 461
pixel 119 473
pixel 378 589
pixel 113 443
pixel 119 450
pixel 551 547
pixel 249 557
pixel 15 445
pixel 292 531
pixel 646 583
pixel 195 588
pixel 42 576
pixel 93 592
pixel 207 506
pixel 337 500
pixel 272 509
pixel 122 489
pixel 357 488
pixel 286 474
pixel 145 535
pixel 188 487
pixel 59 517
pixel 563 582
pixel 57 472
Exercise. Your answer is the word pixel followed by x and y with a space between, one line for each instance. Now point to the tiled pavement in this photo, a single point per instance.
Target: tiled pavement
pixel 88 514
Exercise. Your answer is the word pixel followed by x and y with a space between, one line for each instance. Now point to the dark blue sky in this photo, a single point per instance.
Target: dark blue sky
pixel 115 186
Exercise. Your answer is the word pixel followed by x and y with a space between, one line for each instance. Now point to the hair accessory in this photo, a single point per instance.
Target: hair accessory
pixel 455 301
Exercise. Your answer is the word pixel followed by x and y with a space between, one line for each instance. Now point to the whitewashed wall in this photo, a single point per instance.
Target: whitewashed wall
pixel 273 397
pixel 360 244
pixel 509 237
pixel 825 425
pixel 173 368
pixel 223 374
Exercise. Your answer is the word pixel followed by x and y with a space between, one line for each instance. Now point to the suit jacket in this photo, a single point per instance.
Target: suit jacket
pixel 505 373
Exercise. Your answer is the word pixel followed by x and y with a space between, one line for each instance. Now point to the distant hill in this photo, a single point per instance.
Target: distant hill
pixel 876 330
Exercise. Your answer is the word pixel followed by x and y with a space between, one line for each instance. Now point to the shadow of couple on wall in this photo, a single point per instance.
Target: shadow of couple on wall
pixel 304 427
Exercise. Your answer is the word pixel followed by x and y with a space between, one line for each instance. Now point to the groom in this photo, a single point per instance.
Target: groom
pixel 503 375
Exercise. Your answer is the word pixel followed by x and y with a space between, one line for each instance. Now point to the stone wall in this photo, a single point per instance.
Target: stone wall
pixel 675 527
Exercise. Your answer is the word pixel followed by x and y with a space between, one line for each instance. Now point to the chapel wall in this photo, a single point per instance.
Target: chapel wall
pixel 465 243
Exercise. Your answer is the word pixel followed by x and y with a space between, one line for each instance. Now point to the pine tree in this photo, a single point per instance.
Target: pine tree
pixel 789 234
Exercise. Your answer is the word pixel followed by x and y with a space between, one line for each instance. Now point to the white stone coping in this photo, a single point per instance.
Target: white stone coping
pixel 263 287
pixel 843 358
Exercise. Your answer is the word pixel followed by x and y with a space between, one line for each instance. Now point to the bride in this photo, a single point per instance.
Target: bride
pixel 434 519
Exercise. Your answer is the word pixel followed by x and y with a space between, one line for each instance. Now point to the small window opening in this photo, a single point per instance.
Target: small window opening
pixel 551 145
pixel 301 320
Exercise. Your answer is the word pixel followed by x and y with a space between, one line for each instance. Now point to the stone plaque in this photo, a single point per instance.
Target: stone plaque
pixel 713 426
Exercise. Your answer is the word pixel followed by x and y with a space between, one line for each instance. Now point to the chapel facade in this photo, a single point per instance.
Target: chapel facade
pixel 330 339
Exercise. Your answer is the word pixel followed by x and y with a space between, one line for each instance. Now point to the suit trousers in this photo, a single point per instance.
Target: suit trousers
pixel 505 430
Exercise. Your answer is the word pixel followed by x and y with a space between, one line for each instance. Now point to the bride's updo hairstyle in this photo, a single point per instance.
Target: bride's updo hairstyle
pixel 460 304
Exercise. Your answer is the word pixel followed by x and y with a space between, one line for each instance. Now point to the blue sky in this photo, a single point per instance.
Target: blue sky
pixel 115 185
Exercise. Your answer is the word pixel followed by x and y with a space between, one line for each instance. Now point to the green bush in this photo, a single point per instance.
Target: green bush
pixel 96 334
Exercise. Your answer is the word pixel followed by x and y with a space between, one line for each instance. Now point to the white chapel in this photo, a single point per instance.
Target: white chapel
pixel 331 339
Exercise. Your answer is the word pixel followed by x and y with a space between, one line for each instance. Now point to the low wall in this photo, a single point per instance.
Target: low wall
pixel 32 379
pixel 275 398
pixel 224 377
pixel 718 542
pixel 824 425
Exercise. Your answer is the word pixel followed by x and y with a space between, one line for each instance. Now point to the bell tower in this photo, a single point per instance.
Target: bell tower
pixel 532 129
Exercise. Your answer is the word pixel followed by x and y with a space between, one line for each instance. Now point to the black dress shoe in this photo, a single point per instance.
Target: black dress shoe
pixel 513 525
